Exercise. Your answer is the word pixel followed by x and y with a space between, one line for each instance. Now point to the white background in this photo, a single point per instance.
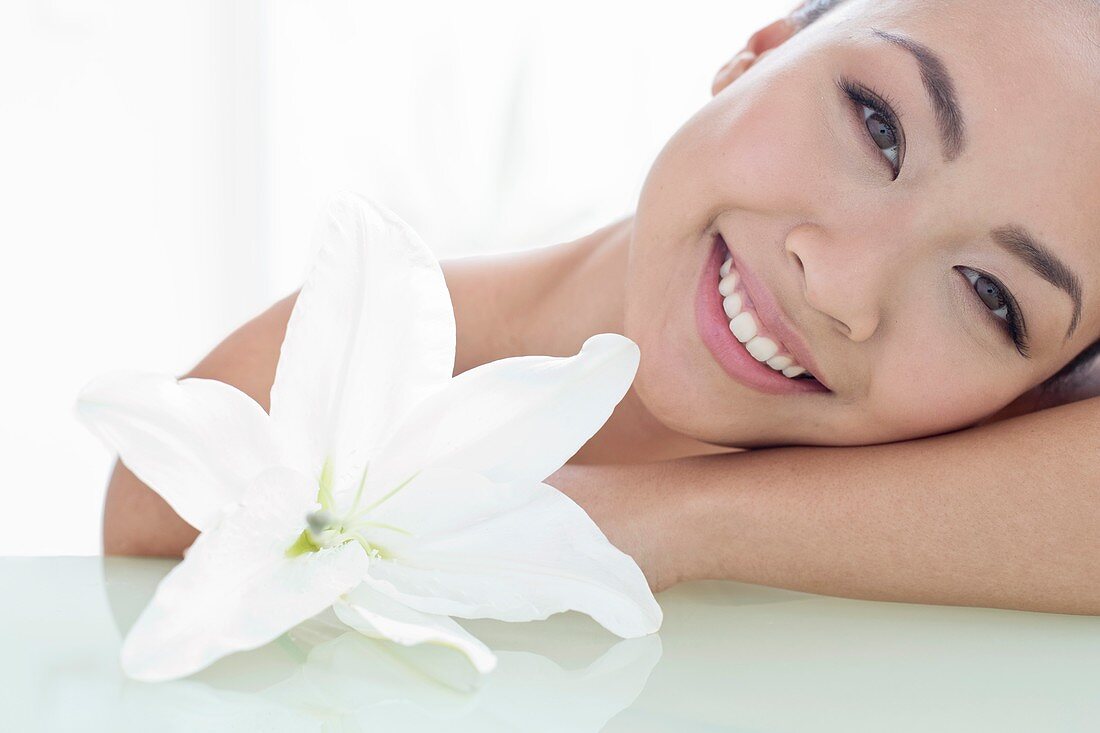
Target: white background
pixel 162 165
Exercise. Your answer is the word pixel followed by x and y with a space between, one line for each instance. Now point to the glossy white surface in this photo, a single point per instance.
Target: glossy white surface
pixel 730 657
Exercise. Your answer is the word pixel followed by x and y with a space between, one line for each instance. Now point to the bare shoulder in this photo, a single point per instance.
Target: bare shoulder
pixel 247 357
pixel 136 521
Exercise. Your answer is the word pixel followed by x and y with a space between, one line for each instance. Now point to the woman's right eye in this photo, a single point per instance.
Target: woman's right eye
pixel 882 124
pixel 1001 303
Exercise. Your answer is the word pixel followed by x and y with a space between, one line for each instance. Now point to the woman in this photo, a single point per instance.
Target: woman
pixel 903 192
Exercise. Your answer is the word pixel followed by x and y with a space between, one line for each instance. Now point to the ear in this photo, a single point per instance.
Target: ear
pixel 760 43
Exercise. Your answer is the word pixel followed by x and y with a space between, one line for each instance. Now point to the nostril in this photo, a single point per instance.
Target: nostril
pixel 798 261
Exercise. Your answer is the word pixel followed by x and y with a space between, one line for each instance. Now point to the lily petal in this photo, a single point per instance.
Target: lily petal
pixel 236 589
pixel 513 420
pixel 197 442
pixel 371 334
pixel 514 552
pixel 379 616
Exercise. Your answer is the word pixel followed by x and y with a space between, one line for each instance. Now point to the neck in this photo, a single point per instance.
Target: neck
pixel 548 301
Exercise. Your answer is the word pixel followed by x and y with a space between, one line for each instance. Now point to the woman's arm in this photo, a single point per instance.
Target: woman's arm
pixel 136 521
pixel 1004 515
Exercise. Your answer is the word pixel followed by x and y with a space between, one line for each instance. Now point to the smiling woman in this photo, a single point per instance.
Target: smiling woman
pixel 876 236
pixel 866 180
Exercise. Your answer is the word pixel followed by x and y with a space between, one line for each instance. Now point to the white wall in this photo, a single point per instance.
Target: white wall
pixel 163 164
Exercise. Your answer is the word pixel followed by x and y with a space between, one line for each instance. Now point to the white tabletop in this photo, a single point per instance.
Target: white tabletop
pixel 729 657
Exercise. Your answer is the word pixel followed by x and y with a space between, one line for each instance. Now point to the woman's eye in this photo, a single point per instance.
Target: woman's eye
pixel 990 293
pixel 1000 303
pixel 883 134
pixel 883 127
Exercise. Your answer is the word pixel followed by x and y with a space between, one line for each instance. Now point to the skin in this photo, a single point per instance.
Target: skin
pixel 779 162
pixel 782 166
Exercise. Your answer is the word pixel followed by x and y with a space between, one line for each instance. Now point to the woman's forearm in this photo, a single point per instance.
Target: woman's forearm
pixel 1005 515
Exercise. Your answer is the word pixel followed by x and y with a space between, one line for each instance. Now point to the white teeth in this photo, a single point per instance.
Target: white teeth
pixel 779 363
pixel 743 326
pixel 732 305
pixel 745 329
pixel 728 283
pixel 762 348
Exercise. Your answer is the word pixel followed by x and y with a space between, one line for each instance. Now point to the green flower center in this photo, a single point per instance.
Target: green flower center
pixel 325 528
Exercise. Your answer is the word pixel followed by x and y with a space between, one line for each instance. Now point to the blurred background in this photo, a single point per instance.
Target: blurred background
pixel 164 163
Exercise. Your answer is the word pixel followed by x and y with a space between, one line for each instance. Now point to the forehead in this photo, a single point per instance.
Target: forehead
pixel 1027 79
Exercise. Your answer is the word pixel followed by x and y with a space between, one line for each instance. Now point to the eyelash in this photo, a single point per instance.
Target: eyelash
pixel 1014 322
pixel 861 95
pixel 883 107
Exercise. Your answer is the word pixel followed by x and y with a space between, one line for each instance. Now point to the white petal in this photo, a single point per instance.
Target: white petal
pixel 515 419
pixel 196 442
pixel 235 588
pixel 371 333
pixel 514 552
pixel 374 614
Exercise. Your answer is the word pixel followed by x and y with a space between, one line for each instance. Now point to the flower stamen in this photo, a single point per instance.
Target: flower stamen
pixel 326 529
pixel 393 491
pixel 358 492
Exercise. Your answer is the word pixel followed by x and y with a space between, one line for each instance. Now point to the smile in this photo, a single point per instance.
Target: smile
pixel 736 336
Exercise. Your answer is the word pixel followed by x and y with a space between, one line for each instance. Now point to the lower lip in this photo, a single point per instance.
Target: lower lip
pixel 731 355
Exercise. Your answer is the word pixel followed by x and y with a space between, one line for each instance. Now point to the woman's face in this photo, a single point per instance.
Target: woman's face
pixel 871 242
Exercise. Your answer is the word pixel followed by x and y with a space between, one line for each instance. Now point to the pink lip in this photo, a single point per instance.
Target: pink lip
pixel 713 327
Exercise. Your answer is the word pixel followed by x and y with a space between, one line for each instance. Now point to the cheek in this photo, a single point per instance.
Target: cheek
pixel 930 385
pixel 759 146
pixel 754 150
pixel 673 379
pixel 905 408
pixel 771 155
pixel 787 144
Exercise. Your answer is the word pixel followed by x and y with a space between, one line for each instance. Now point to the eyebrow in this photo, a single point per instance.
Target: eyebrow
pixel 940 88
pixel 1017 241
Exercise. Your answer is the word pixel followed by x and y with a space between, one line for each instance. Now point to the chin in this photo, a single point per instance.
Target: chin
pixel 677 379
pixel 671 385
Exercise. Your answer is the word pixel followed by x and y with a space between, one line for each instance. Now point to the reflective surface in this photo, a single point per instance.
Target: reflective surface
pixel 729 657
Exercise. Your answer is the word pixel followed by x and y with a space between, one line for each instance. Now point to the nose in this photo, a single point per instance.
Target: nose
pixel 839 278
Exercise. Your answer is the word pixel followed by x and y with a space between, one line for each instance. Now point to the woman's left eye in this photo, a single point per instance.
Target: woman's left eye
pixel 883 127
pixel 1000 303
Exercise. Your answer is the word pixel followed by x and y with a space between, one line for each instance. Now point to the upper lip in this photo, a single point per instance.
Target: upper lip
pixel 776 320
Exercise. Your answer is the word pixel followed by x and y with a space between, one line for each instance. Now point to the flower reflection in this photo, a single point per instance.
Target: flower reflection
pixel 321 677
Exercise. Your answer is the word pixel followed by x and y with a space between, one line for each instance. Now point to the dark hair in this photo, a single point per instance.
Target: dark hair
pixel 811 10
pixel 807 13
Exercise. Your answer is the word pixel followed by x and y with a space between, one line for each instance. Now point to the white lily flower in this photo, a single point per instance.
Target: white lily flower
pixel 378 484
